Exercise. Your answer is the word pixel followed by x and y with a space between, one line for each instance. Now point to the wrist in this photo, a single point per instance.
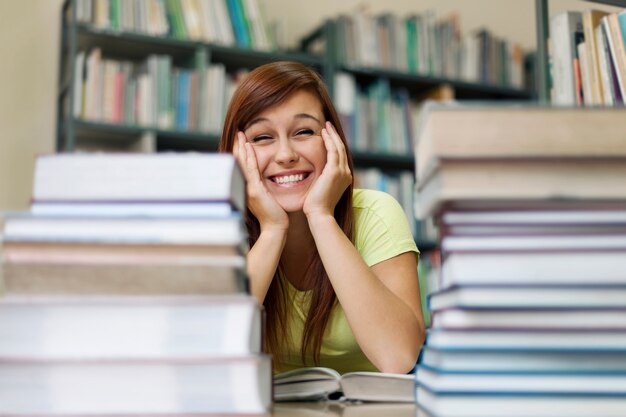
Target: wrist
pixel 318 218
pixel 274 231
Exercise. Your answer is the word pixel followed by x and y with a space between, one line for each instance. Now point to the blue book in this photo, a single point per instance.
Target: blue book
pixel 570 360
pixel 239 24
pixel 182 100
pixel 522 382
pixel 433 403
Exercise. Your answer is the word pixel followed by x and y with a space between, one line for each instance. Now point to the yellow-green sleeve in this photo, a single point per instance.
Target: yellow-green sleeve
pixel 382 230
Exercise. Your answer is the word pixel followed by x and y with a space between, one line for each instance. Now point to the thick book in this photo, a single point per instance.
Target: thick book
pixel 523 319
pixel 503 180
pixel 309 384
pixel 471 404
pixel 54 278
pixel 488 359
pixel 497 267
pixel 131 209
pixel 476 131
pixel 532 340
pixel 168 386
pixel 588 214
pixel 544 383
pixel 141 327
pixel 117 178
pixel 529 296
pixel 126 230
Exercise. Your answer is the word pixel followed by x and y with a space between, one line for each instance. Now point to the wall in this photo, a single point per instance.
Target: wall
pixel 29 51
pixel 29 42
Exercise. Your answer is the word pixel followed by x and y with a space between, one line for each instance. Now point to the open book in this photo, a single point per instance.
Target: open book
pixel 324 383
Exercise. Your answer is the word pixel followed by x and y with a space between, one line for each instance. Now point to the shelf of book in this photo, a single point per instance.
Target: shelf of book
pixel 135 51
pixel 543 64
pixel 385 161
pixel 124 135
pixel 131 50
pixel 417 84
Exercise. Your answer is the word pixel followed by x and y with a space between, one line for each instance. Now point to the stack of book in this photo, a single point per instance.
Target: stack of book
pixel 125 290
pixel 530 314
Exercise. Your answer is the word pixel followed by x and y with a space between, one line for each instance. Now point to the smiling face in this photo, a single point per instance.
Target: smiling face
pixel 289 148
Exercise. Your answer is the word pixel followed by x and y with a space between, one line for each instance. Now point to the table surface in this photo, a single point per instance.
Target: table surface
pixel 343 409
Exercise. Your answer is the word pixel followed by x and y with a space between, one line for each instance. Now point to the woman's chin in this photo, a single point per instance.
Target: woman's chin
pixel 291 205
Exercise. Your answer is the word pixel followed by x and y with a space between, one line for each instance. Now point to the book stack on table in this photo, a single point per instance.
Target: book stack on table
pixel 530 314
pixel 125 291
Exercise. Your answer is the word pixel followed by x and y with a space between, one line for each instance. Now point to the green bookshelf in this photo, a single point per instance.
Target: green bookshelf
pixel 79 36
pixel 93 133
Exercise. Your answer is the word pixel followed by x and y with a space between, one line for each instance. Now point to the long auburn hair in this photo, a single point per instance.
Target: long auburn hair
pixel 264 87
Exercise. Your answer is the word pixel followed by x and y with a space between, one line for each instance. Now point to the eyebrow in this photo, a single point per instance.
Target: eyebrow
pixel 297 116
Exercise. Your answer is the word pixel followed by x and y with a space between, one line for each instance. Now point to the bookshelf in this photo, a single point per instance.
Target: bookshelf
pixel 93 133
pixel 543 33
pixel 80 133
pixel 326 42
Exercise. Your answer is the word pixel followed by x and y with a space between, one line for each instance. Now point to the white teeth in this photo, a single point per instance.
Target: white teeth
pixel 289 179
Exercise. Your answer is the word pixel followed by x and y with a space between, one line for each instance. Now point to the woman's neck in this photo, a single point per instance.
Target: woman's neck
pixel 299 250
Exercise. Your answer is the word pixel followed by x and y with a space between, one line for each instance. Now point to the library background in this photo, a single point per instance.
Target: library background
pixel 537 87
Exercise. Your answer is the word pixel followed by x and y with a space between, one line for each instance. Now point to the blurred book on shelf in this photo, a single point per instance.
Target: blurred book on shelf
pixel 588 53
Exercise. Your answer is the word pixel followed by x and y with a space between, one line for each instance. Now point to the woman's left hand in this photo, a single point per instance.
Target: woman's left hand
pixel 335 177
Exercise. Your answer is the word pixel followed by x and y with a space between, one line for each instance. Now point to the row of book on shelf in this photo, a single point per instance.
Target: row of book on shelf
pixel 125 291
pixel 429 45
pixel 155 92
pixel 588 55
pixel 528 314
pixel 223 22
pixel 379 118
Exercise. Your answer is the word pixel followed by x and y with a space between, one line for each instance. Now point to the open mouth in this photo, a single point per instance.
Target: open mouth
pixel 289 179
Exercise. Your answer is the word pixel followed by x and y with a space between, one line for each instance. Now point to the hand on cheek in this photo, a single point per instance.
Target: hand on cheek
pixel 335 177
pixel 260 201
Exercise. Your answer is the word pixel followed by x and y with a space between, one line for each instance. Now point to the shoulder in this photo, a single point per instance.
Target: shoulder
pixel 381 227
pixel 377 201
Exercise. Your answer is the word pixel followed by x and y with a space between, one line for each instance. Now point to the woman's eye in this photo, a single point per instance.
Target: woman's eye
pixel 305 132
pixel 260 138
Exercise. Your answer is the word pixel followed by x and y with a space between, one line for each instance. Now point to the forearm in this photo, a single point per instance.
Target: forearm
pixel 262 261
pixel 386 328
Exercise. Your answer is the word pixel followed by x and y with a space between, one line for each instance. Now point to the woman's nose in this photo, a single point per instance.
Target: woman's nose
pixel 286 152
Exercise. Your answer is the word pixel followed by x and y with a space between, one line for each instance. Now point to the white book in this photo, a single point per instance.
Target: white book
pixel 488 359
pixel 565 27
pixel 543 383
pixel 540 319
pixel 531 340
pixel 207 230
pixel 541 268
pixel 564 242
pixel 146 327
pixel 162 210
pixel 227 36
pixel 433 404
pixel 189 177
pixel 604 63
pixel 538 296
pixel 201 386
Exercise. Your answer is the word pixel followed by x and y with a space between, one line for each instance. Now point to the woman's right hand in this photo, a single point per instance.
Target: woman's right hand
pixel 261 202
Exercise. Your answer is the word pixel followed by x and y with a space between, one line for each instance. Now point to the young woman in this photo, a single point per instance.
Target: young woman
pixel 335 267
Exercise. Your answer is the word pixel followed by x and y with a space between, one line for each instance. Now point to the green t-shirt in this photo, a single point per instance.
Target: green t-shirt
pixel 381 232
